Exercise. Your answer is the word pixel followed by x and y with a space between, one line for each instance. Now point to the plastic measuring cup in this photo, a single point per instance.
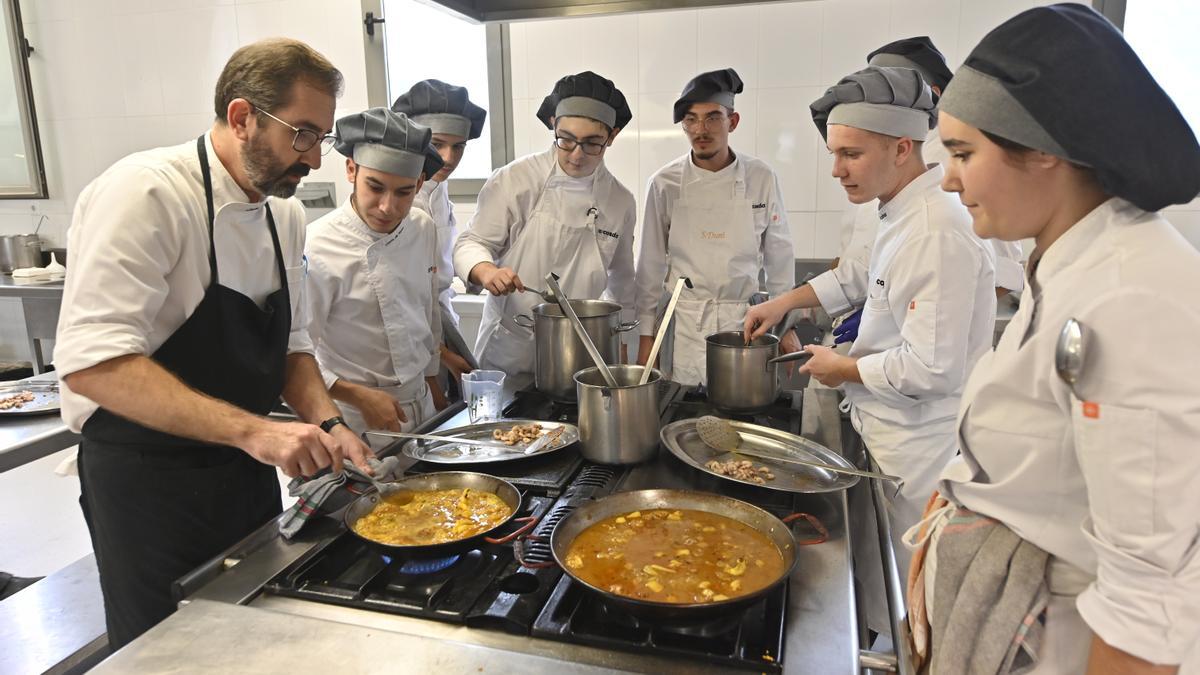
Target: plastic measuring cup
pixel 481 393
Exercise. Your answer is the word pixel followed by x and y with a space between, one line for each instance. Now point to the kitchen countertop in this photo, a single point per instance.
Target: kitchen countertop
pixel 229 625
pixel 24 439
pixel 11 288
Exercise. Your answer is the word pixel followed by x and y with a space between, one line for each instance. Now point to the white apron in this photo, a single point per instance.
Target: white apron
pixel 711 241
pixel 405 324
pixel 560 236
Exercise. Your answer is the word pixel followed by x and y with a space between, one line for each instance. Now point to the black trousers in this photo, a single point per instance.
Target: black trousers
pixel 157 513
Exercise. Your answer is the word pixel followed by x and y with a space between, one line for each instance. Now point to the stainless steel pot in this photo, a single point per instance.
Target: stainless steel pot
pixel 740 379
pixel 18 251
pixel 559 352
pixel 618 426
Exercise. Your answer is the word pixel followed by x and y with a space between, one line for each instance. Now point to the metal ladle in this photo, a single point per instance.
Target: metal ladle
pixel 662 328
pixel 569 311
pixel 719 434
pixel 1068 354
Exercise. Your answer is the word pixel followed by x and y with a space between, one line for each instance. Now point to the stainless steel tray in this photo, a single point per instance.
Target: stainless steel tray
pixel 45 398
pixel 458 453
pixel 682 440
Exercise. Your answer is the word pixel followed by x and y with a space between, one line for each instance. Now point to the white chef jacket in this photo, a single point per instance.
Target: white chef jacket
pixel 860 225
pixel 776 256
pixel 929 305
pixel 505 204
pixel 139 259
pixel 434 200
pixel 347 325
pixel 1109 485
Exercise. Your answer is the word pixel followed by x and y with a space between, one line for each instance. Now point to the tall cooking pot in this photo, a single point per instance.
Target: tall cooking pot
pixel 740 379
pixel 18 251
pixel 618 425
pixel 560 354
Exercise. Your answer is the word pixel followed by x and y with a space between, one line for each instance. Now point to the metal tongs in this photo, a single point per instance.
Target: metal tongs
pixel 569 311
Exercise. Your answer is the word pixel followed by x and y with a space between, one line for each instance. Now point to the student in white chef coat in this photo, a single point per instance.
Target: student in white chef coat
pixel 927 292
pixel 1058 132
pixel 372 278
pixel 182 324
pixel 558 211
pixel 920 54
pixel 717 217
pixel 448 111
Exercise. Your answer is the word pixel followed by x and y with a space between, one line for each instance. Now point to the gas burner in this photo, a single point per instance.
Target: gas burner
pixel 421 566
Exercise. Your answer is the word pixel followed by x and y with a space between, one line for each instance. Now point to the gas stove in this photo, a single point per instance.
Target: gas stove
pixel 522 592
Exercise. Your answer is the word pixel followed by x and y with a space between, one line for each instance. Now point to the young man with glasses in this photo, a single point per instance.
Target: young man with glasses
pixel 716 217
pixel 372 278
pixel 558 211
pixel 183 322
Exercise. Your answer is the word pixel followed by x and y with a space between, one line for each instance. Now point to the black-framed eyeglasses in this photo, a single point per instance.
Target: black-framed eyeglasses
pixel 569 144
pixel 305 139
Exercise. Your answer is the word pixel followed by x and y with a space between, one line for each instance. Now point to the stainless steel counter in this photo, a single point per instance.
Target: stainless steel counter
pixel 15 288
pixel 228 625
pixel 39 304
pixel 25 439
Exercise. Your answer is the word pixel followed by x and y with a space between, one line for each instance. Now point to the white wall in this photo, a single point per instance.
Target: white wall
pixel 787 54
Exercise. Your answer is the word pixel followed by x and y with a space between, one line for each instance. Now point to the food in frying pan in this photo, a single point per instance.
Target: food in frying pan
pixel 422 518
pixel 676 556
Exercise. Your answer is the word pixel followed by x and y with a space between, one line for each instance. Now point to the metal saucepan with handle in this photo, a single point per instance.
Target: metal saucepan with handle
pixel 744 377
pixel 775 529
pixel 618 425
pixel 444 480
pixel 559 353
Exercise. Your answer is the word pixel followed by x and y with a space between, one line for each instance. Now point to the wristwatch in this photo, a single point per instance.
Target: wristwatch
pixel 328 425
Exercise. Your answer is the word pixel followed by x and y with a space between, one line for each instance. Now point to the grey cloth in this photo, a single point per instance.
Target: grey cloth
pixel 610 102
pixel 582 106
pixel 989 599
pixel 715 86
pixel 444 108
pixel 387 141
pixel 1070 72
pixel 890 101
pixel 917 53
pixel 311 494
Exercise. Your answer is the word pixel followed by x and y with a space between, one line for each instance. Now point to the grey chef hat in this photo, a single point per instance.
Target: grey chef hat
pixel 387 141
pixel 1063 80
pixel 588 95
pixel 885 100
pixel 917 53
pixel 444 108
pixel 715 86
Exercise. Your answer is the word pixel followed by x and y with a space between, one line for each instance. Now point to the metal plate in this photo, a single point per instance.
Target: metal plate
pixel 682 440
pixel 457 453
pixel 45 398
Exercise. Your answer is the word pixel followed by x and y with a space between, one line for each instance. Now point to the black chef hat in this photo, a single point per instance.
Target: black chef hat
pixel 1062 79
pixel 715 86
pixel 445 108
pixel 586 95
pixel 387 141
pixel 917 53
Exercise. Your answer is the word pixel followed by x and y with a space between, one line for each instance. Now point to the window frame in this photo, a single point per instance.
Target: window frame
pixel 499 72
pixel 20 51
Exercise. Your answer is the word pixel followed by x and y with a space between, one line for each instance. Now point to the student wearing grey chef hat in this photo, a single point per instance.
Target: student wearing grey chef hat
pixel 372 277
pixel 927 292
pixel 454 120
pixel 560 210
pixel 717 217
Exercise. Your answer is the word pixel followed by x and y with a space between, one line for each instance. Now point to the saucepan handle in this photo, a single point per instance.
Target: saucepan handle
pixel 823 534
pixel 791 356
pixel 523 320
pixel 530 523
pixel 519 553
pixel 626 326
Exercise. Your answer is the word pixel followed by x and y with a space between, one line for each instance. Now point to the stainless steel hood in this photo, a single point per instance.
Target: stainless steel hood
pixel 491 11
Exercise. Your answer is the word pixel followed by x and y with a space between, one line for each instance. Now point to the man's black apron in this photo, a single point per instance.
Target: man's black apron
pixel 159 505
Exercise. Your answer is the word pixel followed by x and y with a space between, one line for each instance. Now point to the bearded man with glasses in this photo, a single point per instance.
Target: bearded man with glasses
pixel 183 322
pixel 558 211
pixel 716 217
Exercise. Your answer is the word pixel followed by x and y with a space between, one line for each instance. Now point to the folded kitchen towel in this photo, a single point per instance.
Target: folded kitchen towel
pixel 311 494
